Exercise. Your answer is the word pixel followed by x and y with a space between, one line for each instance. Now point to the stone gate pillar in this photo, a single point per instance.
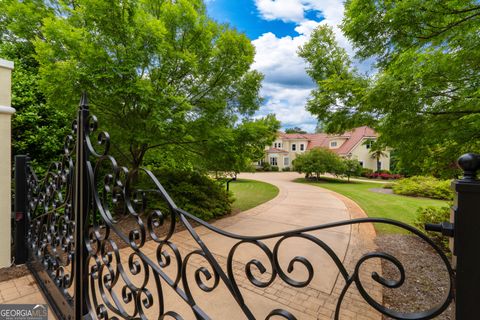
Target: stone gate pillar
pixel 6 112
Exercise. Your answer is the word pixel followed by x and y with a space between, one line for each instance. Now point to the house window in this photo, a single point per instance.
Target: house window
pixel 275 145
pixel 333 144
pixel 361 163
pixel 286 161
pixel 368 145
pixel 279 145
pixel 294 147
pixel 273 161
pixel 302 147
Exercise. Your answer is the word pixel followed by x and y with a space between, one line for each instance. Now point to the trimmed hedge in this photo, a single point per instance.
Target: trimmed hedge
pixel 420 186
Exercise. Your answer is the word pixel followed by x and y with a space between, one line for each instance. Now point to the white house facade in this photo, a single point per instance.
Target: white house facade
pixel 351 144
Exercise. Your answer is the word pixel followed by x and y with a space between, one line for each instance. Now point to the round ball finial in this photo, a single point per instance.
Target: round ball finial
pixel 470 164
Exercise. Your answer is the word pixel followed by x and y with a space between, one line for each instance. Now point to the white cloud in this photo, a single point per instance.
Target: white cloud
pixel 287 85
pixel 285 10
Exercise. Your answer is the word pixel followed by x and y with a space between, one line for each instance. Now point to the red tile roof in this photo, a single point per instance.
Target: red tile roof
pixel 316 140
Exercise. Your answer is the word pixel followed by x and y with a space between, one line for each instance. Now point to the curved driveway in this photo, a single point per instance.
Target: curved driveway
pixel 296 206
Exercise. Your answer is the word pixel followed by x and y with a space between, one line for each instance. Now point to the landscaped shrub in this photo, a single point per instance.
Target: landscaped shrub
pixel 383 176
pixel 286 169
pixel 266 166
pixel 274 168
pixel 196 193
pixel 433 215
pixel 420 186
pixel 366 172
pixel 388 185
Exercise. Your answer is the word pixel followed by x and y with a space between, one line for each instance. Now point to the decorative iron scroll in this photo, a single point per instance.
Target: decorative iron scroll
pixel 51 229
pixel 124 282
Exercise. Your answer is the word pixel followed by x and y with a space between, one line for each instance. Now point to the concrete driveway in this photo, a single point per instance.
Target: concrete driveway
pixel 296 206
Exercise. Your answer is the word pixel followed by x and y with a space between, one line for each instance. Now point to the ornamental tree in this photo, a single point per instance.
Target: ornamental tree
pixel 318 161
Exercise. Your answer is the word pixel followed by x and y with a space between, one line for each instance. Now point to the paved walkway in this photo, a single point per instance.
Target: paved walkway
pixel 296 206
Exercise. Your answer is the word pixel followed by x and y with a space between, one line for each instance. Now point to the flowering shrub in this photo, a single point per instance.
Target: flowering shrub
pixel 384 176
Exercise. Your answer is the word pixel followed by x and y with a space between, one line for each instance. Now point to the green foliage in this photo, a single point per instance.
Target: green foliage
pixel 196 193
pixel 232 150
pixel 434 215
pixel 286 169
pixel 165 80
pixel 388 185
pixel 377 151
pixel 420 186
pixel 424 98
pixel 295 130
pixel 38 129
pixel 266 166
pixel 274 168
pixel 352 168
pixel 318 161
pixel 366 172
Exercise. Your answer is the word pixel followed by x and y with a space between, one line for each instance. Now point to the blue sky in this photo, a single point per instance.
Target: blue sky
pixel 277 28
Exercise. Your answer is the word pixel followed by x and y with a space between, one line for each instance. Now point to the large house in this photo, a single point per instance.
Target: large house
pixel 351 144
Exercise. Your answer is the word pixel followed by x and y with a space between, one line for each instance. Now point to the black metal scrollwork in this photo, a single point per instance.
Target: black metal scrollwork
pixel 126 282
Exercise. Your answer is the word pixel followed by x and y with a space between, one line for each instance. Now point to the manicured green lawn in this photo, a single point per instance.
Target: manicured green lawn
pixel 378 205
pixel 251 193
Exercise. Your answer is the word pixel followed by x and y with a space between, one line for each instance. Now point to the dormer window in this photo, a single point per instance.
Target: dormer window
pixel 333 144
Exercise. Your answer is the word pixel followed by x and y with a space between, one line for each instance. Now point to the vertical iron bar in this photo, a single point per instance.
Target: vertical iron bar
pixel 467 238
pixel 81 211
pixel 21 189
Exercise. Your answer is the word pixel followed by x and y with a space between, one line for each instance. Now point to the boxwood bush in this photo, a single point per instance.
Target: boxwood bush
pixel 420 186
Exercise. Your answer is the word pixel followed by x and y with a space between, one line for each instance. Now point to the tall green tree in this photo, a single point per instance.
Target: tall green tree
pixel 161 75
pixel 38 130
pixel 424 97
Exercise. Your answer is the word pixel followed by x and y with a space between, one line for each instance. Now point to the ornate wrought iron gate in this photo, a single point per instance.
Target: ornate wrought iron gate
pixel 74 239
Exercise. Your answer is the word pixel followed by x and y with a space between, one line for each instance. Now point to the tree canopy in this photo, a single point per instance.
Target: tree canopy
pixel 295 130
pixel 423 97
pixel 319 161
pixel 171 85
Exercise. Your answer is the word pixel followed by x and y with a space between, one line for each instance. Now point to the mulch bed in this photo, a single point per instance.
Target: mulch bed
pixel 381 190
pixel 13 272
pixel 426 277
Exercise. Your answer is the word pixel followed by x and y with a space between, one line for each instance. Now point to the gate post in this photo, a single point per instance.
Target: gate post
pixel 81 207
pixel 466 215
pixel 21 223
pixel 6 112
